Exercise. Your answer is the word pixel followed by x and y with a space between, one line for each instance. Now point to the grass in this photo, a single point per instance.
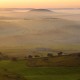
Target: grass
pixel 38 73
pixel 55 77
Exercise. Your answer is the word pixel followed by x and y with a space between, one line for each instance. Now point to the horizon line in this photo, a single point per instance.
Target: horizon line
pixel 36 8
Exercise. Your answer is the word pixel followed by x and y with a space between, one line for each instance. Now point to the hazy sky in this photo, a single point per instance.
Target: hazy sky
pixel 40 3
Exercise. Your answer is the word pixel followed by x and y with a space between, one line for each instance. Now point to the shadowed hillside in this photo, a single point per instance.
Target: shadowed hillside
pixel 55 61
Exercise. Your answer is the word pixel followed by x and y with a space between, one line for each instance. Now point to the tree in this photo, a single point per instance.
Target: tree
pixel 1 56
pixel 36 56
pixel 0 53
pixel 14 58
pixel 25 58
pixel 60 53
pixel 50 55
pixel 30 56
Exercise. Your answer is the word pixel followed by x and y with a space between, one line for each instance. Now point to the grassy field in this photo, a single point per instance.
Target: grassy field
pixel 39 73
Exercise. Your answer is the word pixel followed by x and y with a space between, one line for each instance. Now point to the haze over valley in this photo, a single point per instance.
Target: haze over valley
pixel 25 29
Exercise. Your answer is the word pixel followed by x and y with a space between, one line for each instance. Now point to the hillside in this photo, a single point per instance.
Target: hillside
pixel 18 70
pixel 55 61
pixel 50 60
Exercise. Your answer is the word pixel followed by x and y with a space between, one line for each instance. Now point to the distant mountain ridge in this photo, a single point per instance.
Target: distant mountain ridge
pixel 40 10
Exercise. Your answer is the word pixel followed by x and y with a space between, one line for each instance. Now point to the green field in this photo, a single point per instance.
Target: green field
pixel 39 73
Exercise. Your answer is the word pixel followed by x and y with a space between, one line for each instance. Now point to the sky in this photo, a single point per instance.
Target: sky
pixel 39 3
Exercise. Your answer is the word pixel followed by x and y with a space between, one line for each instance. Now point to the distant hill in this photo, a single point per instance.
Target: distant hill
pixel 40 10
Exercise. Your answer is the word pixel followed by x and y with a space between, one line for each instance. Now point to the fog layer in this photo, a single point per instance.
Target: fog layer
pixel 28 28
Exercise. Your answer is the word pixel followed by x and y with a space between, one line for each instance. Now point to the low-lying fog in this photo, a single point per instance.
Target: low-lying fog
pixel 23 28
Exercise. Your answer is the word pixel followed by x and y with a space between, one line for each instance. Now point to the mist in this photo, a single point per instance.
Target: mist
pixel 25 28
